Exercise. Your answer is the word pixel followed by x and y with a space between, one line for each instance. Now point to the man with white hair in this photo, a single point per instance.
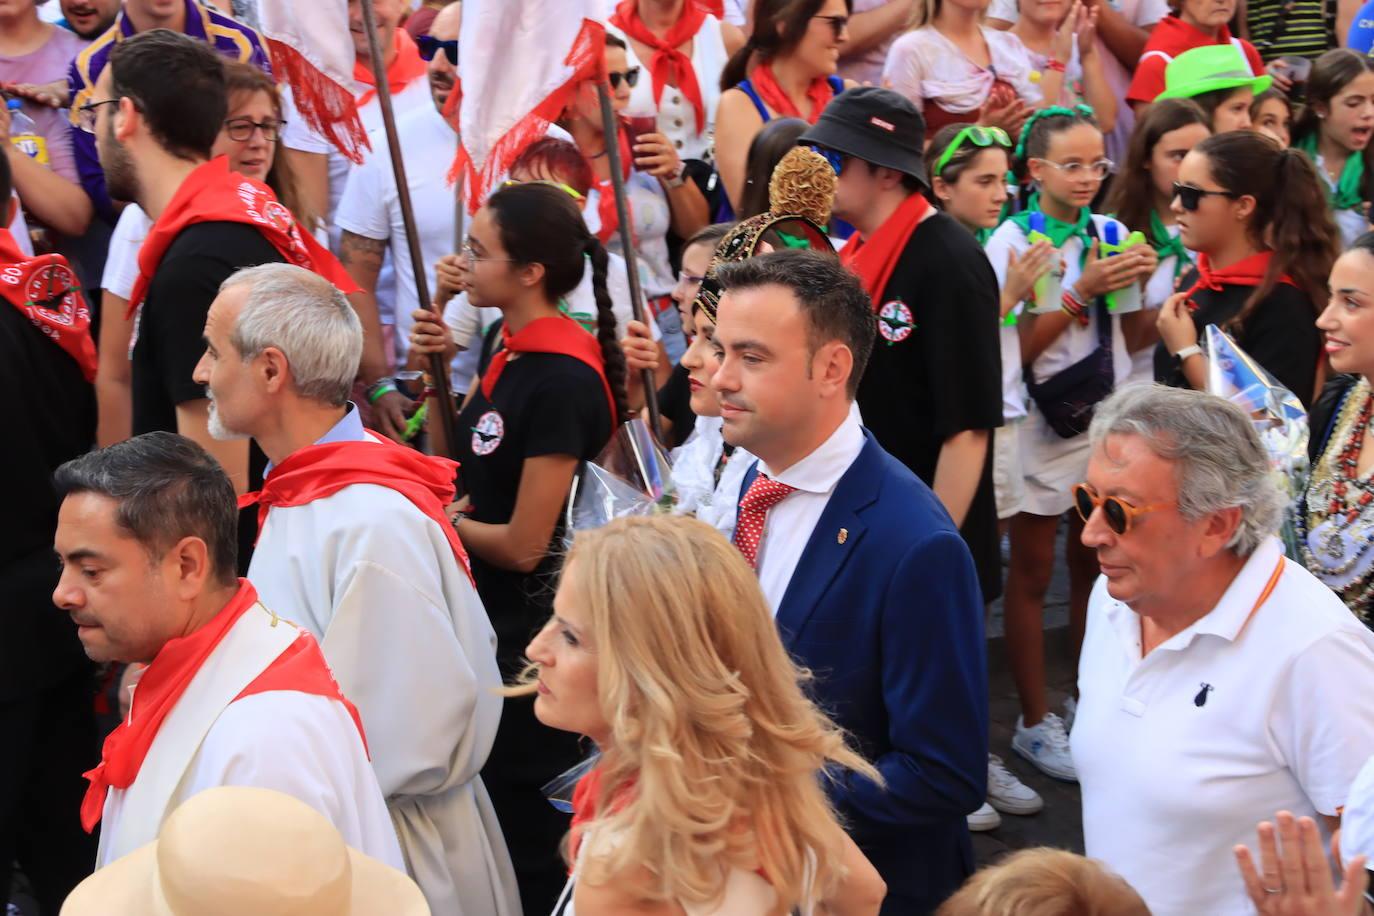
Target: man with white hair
pixel 353 537
pixel 1219 681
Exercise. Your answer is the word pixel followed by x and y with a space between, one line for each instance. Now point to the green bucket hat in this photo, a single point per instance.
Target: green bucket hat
pixel 1209 69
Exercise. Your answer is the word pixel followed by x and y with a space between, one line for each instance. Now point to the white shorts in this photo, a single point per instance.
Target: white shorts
pixel 1008 476
pixel 1052 465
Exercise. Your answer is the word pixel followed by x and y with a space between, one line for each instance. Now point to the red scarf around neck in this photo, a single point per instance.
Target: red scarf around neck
pixel 766 85
pixel 162 685
pixel 874 259
pixel 668 64
pixel 46 291
pixel 405 68
pixel 320 471
pixel 550 335
pixel 1245 272
pixel 213 194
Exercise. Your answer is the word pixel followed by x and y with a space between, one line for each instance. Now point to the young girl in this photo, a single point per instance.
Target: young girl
pixel 1062 38
pixel 1271 113
pixel 1190 24
pixel 1074 356
pixel 956 69
pixel 550 396
pixel 1215 78
pixel 1334 130
pixel 1258 218
pixel 1140 198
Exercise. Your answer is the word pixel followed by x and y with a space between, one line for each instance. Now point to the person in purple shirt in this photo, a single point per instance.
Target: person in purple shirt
pixel 226 35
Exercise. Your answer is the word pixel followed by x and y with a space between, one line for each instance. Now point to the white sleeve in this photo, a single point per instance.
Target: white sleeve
pixel 1007 240
pixel 121 265
pixel 19 227
pixel 622 303
pixel 462 320
pixel 364 207
pixel 1005 10
pixel 734 12
pixel 1321 733
pixel 1148 12
pixel 903 70
pixel 297 134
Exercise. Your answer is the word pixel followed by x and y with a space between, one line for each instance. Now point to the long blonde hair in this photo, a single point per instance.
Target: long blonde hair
pixel 712 739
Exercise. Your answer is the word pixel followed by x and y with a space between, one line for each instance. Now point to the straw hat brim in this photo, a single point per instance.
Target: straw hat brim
pixel 128 887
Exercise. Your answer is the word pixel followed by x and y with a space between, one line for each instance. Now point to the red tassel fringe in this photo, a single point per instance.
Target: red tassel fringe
pixel 325 105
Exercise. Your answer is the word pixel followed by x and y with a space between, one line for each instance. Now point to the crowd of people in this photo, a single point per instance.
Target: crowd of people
pixel 922 284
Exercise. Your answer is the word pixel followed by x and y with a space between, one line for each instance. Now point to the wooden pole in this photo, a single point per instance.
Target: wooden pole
pixel 438 368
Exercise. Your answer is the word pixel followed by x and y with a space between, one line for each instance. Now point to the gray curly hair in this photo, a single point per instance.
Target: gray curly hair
pixel 1219 459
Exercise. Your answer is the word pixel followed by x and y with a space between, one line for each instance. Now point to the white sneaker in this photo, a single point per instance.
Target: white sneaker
pixel 1070 713
pixel 1008 794
pixel 984 819
pixel 1046 747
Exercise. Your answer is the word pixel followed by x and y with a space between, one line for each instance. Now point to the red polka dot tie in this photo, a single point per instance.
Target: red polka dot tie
pixel 763 494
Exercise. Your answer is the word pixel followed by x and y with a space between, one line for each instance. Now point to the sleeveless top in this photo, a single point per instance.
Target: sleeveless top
pixel 747 87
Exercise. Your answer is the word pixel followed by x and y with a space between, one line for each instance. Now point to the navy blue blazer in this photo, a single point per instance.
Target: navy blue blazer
pixel 885 610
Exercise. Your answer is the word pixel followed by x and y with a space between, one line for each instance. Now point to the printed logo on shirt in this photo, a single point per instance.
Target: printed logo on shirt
pixel 52 291
pixel 486 435
pixel 895 322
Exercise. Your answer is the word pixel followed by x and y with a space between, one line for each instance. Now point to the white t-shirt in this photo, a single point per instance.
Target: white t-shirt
pixel 1353 222
pixel 1161 286
pixel 121 264
pixel 924 65
pixel 1245 713
pixel 1074 344
pixel 676 116
pixel 735 12
pixel 867 66
pixel 370 207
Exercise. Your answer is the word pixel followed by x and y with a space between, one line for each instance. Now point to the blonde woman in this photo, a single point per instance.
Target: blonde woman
pixel 1045 882
pixel 708 797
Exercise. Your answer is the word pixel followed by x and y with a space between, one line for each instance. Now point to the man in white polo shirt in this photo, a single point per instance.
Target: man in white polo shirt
pixel 1219 682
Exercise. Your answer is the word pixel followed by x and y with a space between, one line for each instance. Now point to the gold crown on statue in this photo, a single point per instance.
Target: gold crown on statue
pixel 801 193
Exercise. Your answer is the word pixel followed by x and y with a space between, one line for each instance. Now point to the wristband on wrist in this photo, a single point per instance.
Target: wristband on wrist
pixel 1055 65
pixel 383 386
pixel 1186 352
pixel 676 180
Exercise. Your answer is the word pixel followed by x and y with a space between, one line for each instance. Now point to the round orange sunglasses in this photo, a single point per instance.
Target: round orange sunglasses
pixel 1120 515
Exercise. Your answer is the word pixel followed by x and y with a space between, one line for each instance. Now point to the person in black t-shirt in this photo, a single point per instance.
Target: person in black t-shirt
pixel 550 397
pixel 932 392
pixel 47 720
pixel 1258 218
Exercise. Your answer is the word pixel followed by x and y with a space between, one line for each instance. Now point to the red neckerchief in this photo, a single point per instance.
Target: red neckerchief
pixel 874 259
pixel 319 471
pixel 584 798
pixel 405 68
pixel 549 335
pixel 166 679
pixel 668 63
pixel 1245 272
pixel 766 85
pixel 213 194
pixel 47 292
pixel 605 201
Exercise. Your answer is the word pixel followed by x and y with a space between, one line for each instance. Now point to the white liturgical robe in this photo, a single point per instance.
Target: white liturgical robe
pixel 406 635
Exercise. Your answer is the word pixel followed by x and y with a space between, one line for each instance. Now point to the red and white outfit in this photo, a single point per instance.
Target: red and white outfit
pixel 1170 38
pixel 246 700
pixel 353 538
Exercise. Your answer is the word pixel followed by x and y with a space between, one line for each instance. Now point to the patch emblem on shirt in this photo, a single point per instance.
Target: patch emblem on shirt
pixel 487 434
pixel 895 322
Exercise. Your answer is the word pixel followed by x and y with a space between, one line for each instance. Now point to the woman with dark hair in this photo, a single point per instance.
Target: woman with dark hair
pixel 765 152
pixel 786 69
pixel 1257 216
pixel 1140 198
pixel 1334 130
pixel 550 397
pixel 1271 113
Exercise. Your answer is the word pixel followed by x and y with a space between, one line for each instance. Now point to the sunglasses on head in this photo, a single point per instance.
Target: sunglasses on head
pixel 630 76
pixel 429 46
pixel 1190 198
pixel 1119 514
pixel 976 134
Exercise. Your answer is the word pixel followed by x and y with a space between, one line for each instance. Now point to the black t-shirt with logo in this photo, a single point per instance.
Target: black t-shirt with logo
pixel 936 368
pixel 543 404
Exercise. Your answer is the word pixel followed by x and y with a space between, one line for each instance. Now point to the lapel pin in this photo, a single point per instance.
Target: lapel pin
pixel 842 536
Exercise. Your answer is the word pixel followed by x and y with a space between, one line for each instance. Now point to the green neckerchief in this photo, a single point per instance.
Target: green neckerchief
pixel 982 235
pixel 1346 195
pixel 1171 245
pixel 1058 231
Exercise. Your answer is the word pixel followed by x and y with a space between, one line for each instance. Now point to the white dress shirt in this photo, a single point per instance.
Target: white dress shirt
pixel 790 523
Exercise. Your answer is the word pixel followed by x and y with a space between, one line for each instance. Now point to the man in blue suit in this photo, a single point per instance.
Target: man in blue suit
pixel 873 587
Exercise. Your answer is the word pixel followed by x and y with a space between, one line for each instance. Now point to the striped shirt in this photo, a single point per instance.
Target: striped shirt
pixel 1303 28
pixel 226 35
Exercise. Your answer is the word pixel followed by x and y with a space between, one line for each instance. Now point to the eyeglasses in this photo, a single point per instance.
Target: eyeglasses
pixel 630 76
pixel 976 134
pixel 565 188
pixel 470 254
pixel 689 279
pixel 1076 171
pixel 87 114
pixel 838 23
pixel 241 129
pixel 1119 514
pixel 429 46
pixel 1190 198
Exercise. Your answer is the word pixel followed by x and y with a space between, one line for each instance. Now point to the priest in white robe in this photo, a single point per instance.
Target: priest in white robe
pixel 354 538
pixel 234 694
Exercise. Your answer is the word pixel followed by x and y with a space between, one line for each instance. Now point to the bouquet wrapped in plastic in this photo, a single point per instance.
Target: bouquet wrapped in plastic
pixel 631 476
pixel 1279 416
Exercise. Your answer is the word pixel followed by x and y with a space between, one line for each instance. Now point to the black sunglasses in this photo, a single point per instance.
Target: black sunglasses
pixel 429 46
pixel 630 76
pixel 1191 197
pixel 838 23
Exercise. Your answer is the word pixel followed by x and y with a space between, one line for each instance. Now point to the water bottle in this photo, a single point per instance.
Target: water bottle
pixel 24 134
pixel 1049 289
